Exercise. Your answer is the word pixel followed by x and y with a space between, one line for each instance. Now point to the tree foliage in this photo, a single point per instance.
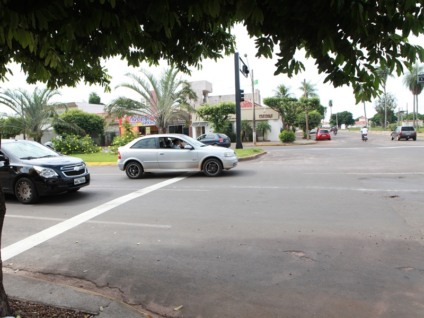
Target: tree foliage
pixel 246 130
pixel 76 121
pixel 389 102
pixel 342 118
pixel 36 110
pixel 286 107
pixel 64 42
pixel 218 115
pixel 410 81
pixel 12 126
pixel 94 98
pixel 313 103
pixel 314 120
pixel 263 127
pixel 164 99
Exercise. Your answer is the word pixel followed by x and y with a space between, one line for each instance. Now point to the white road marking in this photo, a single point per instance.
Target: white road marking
pixel 158 226
pixel 41 237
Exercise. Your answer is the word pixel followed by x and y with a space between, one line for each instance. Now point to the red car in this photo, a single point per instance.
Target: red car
pixel 323 134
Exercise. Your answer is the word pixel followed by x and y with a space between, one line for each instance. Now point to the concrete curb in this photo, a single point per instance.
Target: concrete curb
pixel 68 297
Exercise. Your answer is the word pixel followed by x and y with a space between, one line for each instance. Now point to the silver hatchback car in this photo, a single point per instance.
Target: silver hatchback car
pixel 173 152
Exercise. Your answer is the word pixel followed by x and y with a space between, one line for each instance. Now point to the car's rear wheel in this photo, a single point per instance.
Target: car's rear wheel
pixel 25 191
pixel 212 167
pixel 134 170
pixel 398 138
pixel 414 139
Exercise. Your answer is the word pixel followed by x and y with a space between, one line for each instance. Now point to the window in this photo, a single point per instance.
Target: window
pixel 407 128
pixel 148 143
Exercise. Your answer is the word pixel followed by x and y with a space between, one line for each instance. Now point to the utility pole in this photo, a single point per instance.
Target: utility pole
pixel 305 94
pixel 239 95
pixel 238 110
pixel 253 106
pixel 253 102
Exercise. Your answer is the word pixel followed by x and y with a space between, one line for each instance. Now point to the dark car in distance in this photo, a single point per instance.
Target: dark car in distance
pixel 29 170
pixel 215 139
pixel 404 132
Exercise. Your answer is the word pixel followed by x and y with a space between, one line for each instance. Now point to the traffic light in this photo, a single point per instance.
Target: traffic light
pixel 242 95
pixel 245 70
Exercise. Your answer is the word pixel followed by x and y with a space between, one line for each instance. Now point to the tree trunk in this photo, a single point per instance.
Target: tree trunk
pixel 5 309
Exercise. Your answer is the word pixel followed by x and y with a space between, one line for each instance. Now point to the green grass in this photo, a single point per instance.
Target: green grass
pixel 97 157
pixel 247 152
pixel 111 157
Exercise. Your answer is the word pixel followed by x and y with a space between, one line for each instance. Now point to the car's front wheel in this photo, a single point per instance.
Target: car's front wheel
pixel 25 191
pixel 134 170
pixel 212 167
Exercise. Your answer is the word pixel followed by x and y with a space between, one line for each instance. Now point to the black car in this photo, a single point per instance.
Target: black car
pixel 215 139
pixel 29 170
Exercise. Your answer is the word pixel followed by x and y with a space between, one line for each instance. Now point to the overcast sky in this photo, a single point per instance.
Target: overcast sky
pixel 221 75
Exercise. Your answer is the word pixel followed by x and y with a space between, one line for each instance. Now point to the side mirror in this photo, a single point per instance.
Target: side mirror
pixel 4 159
pixel 189 147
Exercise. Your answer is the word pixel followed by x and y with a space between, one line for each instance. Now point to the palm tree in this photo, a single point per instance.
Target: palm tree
pixel 36 111
pixel 411 81
pixel 383 72
pixel 282 91
pixel 263 127
pixel 308 89
pixel 165 99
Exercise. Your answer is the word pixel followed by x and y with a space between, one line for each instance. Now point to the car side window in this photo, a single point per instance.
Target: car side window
pixel 148 143
pixel 2 159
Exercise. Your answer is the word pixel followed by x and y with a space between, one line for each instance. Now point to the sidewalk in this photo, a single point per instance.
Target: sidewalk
pixel 44 292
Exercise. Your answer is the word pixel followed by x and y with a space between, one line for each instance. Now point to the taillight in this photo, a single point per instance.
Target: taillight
pixel 119 155
pixel 221 140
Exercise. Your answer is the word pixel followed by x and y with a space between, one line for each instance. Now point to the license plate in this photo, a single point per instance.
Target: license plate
pixel 79 180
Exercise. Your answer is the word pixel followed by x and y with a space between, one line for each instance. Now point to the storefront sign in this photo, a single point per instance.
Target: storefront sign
pixel 266 116
pixel 141 120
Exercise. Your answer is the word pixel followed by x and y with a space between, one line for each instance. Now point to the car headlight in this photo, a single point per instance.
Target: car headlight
pixel 45 172
pixel 229 154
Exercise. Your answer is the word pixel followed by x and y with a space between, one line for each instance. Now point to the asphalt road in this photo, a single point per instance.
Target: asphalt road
pixel 334 229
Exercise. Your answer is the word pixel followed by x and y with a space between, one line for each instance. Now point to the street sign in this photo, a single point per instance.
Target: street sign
pixel 420 78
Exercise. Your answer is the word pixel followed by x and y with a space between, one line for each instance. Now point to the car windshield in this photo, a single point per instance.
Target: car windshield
pixel 323 131
pixel 408 128
pixel 194 142
pixel 28 150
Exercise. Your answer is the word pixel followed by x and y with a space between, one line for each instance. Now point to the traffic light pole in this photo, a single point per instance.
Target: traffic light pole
pixel 238 108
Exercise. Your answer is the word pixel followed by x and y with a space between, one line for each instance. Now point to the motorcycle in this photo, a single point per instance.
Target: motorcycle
pixel 364 137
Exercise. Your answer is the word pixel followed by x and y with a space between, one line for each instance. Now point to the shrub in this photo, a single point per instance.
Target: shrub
pixel 69 144
pixel 119 141
pixel 287 136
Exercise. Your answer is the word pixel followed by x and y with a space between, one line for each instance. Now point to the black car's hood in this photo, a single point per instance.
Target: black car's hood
pixel 52 161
